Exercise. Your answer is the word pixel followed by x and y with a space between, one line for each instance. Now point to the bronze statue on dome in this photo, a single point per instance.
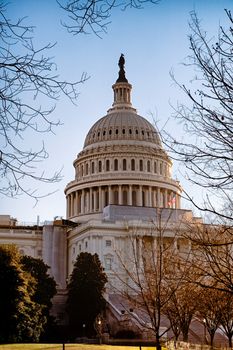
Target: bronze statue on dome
pixel 121 64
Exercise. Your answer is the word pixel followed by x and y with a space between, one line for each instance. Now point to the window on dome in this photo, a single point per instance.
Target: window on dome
pixel 104 132
pixel 82 170
pixel 100 166
pixel 148 134
pixel 130 131
pixel 116 131
pixel 141 165
pixel 123 131
pixel 136 131
pixel 92 167
pixel 148 166
pixel 98 134
pixel 93 136
pixel 142 132
pixel 115 164
pixel 86 168
pixel 107 165
pixel 110 132
pixel 155 167
pixel 124 164
pixel 132 164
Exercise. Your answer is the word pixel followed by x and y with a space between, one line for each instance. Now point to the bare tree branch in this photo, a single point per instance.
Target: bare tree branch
pixel 27 76
pixel 93 16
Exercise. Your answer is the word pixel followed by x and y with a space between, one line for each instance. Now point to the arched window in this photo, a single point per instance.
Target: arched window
pixel 155 167
pixel 141 165
pixel 107 165
pixel 100 166
pixel 92 167
pixel 124 164
pixel 115 164
pixel 148 166
pixel 86 168
pixel 132 164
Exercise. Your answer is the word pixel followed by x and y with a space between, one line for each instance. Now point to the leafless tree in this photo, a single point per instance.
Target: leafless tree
pixel 149 265
pixel 226 321
pixel 27 77
pixel 210 311
pixel 93 16
pixel 211 255
pixel 207 152
pixel 182 307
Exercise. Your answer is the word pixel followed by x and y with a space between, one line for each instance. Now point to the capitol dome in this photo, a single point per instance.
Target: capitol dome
pixel 122 125
pixel 122 162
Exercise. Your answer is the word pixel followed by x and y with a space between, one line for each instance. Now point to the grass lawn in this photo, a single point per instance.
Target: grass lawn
pixel 70 347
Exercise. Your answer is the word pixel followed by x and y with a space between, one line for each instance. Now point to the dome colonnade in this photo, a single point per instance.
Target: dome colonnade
pixel 122 163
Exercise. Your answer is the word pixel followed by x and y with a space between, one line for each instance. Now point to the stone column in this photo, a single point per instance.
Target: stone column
pixel 149 197
pixel 82 202
pixel 120 198
pixel 165 199
pixel 95 200
pixel 72 204
pixel 88 201
pixel 90 204
pixel 130 195
pixel 140 196
pixel 158 198
pixel 103 198
pixel 100 199
pixel 67 206
pixel 110 193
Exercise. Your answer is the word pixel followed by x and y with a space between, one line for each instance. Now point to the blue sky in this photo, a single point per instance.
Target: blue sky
pixel 154 41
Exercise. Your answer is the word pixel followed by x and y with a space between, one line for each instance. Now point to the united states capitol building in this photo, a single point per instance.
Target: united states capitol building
pixel 123 178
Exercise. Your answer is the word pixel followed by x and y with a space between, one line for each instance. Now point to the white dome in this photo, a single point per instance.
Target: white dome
pixel 122 125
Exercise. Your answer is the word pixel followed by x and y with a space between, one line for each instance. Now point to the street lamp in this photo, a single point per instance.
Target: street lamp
pixel 84 326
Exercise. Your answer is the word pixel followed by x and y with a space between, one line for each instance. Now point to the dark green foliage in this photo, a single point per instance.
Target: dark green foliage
pixel 85 294
pixel 46 285
pixel 21 318
pixel 45 290
pixel 24 312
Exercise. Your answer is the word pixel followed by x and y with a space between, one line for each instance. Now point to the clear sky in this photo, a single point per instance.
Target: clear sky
pixel 154 41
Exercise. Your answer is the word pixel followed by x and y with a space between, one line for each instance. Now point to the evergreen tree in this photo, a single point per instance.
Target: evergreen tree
pixel 85 294
pixel 21 317
pixel 45 290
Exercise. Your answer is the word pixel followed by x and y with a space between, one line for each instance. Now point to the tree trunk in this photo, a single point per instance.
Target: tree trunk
pixel 158 346
pixel 230 340
pixel 185 333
